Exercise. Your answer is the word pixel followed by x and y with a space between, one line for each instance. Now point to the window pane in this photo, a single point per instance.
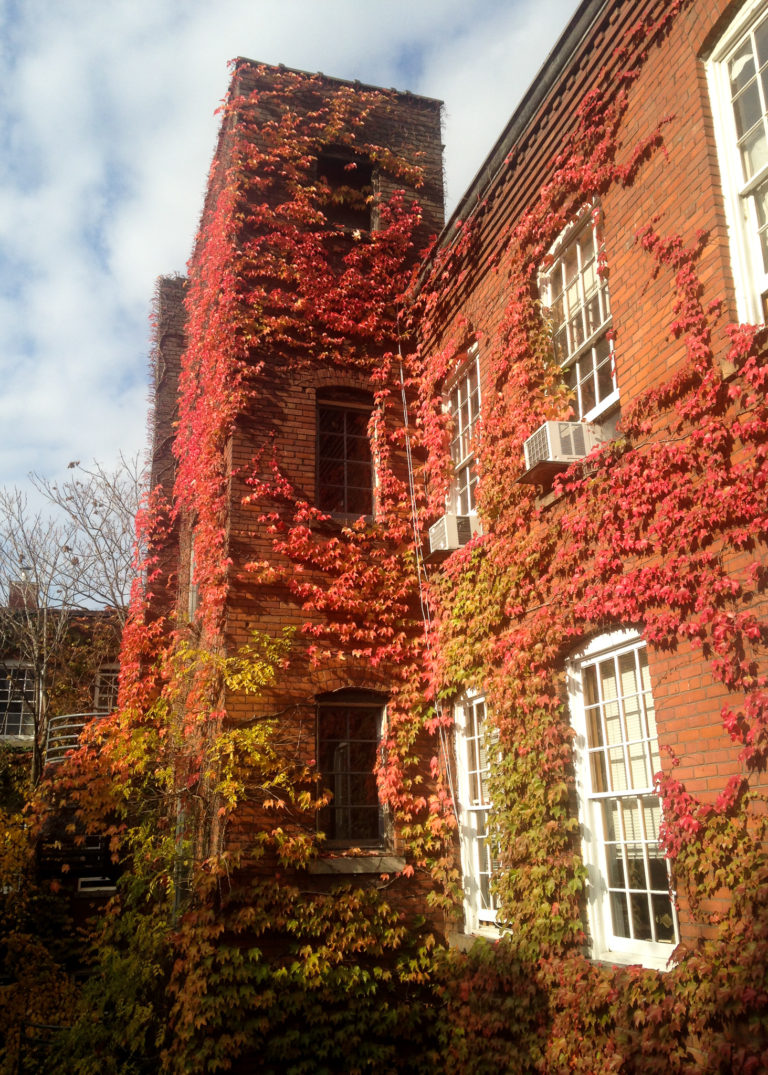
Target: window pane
pixel 576 334
pixel 331 420
pixel 641 917
pixel 331 447
pixel 358 449
pixel 657 866
pixel 357 502
pixel 615 864
pixel 747 110
pixel 651 817
pixel 754 152
pixel 587 393
pixel 604 360
pixel 590 685
pixel 599 773
pixel 620 914
pixel 618 769
pixel 741 67
pixel 357 423
pixel 761 42
pixel 663 919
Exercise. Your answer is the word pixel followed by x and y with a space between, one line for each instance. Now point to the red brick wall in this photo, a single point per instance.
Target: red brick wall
pixel 680 190
pixel 281 420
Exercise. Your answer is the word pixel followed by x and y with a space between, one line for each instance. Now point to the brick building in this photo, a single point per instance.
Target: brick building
pixel 331 178
pixel 641 139
pixel 578 298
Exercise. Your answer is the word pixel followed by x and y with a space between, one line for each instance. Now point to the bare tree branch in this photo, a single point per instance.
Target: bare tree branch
pixel 56 570
pixel 101 504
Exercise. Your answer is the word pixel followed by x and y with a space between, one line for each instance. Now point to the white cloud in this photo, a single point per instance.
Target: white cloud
pixel 105 141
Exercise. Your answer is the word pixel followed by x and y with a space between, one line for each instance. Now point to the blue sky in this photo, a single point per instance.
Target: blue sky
pixel 107 127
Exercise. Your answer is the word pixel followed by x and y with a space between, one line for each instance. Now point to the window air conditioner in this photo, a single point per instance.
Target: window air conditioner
pixel 560 442
pixel 450 532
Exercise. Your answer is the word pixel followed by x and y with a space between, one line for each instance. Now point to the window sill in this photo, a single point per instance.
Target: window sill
pixel 484 934
pixel 604 414
pixel 377 862
pixel 633 959
pixel 349 518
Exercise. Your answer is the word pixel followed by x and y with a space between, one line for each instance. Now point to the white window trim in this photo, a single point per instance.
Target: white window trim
pixel 567 235
pixel 19 737
pixel 472 358
pixel 109 673
pixel 749 277
pixel 193 592
pixel 478 919
pixel 605 945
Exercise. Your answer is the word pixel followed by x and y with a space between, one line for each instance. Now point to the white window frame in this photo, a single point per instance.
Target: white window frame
pixel 579 350
pixel 105 688
pixel 193 592
pixel 749 272
pixel 474 814
pixel 606 943
pixel 31 689
pixel 463 402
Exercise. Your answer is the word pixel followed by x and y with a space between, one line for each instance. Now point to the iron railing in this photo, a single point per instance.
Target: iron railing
pixel 64 735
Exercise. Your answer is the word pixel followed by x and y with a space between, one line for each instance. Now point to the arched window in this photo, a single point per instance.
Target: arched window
pixel 349 728
pixel 344 457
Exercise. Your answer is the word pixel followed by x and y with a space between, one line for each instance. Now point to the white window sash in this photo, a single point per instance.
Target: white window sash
pixel 606 943
pixel 474 816
pixel 552 285
pixel 462 493
pixel 750 276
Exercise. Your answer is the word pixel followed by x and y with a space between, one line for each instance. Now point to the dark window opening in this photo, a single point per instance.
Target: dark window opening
pixel 347 184
pixel 344 460
pixel 348 735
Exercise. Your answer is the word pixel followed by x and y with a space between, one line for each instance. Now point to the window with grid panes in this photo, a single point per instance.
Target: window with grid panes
pixel 632 915
pixel 738 80
pixel 476 854
pixel 348 735
pixel 17 701
pixel 464 408
pixel 105 689
pixel 344 460
pixel 577 303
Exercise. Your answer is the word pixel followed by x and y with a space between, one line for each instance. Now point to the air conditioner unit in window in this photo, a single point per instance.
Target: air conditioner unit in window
pixel 450 532
pixel 560 442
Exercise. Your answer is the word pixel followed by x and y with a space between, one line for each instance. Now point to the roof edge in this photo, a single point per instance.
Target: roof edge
pixel 353 82
pixel 549 73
